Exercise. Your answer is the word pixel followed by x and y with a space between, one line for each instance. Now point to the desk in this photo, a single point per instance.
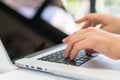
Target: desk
pixel 25 74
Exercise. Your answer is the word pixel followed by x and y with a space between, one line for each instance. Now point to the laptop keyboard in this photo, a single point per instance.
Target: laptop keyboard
pixel 58 57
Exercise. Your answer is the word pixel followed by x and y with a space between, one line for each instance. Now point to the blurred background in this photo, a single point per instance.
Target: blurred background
pixel 108 7
pixel 58 13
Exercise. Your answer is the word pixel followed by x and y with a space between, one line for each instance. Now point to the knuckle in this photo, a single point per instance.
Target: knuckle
pixel 71 41
pixel 69 44
pixel 76 46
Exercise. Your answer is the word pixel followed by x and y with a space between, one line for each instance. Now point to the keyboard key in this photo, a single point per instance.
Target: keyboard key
pixel 79 62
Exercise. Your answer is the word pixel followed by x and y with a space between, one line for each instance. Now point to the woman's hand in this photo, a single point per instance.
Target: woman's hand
pixel 108 23
pixel 92 38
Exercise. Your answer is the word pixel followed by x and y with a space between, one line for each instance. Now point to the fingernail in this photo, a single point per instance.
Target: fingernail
pixel 63 40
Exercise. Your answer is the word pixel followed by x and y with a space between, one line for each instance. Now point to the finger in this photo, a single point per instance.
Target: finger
pixel 91 20
pixel 82 31
pixel 95 23
pixel 72 42
pixel 77 47
pixel 68 37
pixel 89 23
pixel 87 18
pixel 74 39
pixel 68 50
pixel 86 25
pixel 81 35
pixel 65 40
pixel 81 20
pixel 81 44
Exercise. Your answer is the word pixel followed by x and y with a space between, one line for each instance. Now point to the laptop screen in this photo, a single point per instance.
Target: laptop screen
pixel 20 40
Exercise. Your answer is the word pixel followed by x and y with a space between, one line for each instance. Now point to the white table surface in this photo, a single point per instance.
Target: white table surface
pixel 25 74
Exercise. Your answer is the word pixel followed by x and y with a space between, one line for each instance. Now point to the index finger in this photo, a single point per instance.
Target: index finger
pixel 81 20
pixel 91 17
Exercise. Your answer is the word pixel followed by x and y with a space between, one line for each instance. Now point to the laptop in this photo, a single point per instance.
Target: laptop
pixel 27 49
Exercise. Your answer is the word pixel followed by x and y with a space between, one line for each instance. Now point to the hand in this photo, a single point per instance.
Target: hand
pixel 92 38
pixel 108 23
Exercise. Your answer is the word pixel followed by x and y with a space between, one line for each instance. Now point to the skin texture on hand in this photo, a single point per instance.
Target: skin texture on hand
pixel 98 40
pixel 93 39
pixel 108 23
